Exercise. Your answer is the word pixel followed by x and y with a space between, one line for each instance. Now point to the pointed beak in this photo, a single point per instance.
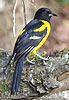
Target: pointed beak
pixel 52 14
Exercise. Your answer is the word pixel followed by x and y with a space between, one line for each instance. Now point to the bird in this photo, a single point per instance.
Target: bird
pixel 32 37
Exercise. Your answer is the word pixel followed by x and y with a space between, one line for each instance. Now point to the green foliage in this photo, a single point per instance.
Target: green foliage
pixel 63 1
pixel 66 1
pixel 60 1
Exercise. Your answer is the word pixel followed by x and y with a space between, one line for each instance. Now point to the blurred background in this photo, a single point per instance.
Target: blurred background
pixel 59 36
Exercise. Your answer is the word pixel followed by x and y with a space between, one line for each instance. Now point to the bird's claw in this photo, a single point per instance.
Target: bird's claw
pixel 44 61
pixel 31 61
pixel 43 58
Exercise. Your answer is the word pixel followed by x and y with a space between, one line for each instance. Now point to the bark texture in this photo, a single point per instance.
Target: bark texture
pixel 43 81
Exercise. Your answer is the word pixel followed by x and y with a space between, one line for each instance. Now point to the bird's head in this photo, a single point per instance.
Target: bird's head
pixel 44 14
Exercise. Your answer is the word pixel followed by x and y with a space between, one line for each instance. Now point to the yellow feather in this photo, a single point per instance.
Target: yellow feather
pixel 40 29
pixel 43 27
pixel 22 32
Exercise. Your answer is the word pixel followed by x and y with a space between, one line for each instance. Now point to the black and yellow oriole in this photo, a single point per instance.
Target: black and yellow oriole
pixel 29 41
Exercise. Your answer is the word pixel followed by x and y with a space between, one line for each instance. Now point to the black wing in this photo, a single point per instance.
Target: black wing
pixel 24 45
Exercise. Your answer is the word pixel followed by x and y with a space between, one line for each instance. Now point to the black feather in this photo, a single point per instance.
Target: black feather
pixel 17 75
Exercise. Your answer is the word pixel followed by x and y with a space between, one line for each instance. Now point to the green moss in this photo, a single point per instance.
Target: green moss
pixel 37 80
pixel 5 88
pixel 58 53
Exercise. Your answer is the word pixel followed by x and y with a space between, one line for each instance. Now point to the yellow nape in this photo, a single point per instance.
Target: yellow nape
pixel 22 32
pixel 44 26
pixel 40 29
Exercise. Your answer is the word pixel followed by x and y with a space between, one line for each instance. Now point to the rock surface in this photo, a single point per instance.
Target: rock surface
pixel 43 81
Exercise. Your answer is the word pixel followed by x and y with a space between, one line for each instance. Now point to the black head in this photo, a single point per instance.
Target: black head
pixel 44 14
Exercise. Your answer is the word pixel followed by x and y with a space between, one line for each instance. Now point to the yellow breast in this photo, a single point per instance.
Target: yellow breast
pixel 43 27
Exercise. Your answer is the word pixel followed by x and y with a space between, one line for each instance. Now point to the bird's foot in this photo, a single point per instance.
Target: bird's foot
pixel 31 61
pixel 43 58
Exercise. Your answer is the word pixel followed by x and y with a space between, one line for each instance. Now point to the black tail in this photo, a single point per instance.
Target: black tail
pixel 17 75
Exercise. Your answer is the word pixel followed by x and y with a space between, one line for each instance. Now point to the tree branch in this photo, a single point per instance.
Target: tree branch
pixel 15 5
pixel 24 11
